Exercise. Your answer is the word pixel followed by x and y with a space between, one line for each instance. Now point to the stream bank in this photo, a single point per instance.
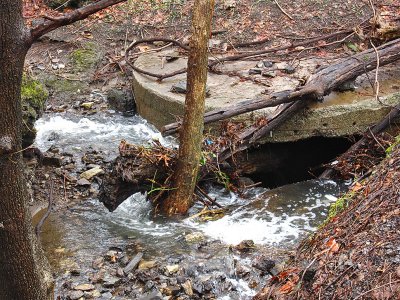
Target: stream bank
pixel 356 253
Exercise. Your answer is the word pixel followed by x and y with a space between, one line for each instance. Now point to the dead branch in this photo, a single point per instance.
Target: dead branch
pixel 283 11
pixel 275 49
pixel 393 114
pixel 158 76
pixel 320 84
pixel 51 23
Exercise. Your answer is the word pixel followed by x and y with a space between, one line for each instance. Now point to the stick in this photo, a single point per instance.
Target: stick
pixel 282 10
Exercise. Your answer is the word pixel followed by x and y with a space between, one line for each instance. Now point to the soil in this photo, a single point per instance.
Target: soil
pixel 344 271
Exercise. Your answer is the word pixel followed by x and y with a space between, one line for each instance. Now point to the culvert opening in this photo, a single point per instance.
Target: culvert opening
pixel 277 164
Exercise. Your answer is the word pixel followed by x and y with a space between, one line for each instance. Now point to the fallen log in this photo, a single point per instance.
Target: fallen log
pixel 319 84
pixel 378 128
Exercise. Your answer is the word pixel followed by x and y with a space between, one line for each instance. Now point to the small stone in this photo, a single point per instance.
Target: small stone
pixel 87 105
pixel 74 295
pixel 95 294
pixel 270 74
pixel 83 182
pixel 260 64
pixel 133 263
pixel 110 281
pixel 91 173
pixel 194 237
pixel 98 263
pixel 187 287
pixel 172 268
pixel 84 287
pixel 111 256
pixel 289 69
pixel 267 63
pixel 106 295
pixel 149 264
pixel 254 71
pixel 120 272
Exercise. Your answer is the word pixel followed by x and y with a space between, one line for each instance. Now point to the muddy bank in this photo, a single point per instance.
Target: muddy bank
pixel 356 255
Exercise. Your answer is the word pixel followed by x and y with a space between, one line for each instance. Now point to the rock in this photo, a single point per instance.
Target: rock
pixel 98 263
pixel 121 100
pixel 229 4
pixel 264 264
pixel 111 256
pixel 51 159
pixel 84 287
pixel 91 173
pixel 120 272
pixel 106 295
pixel 289 69
pixel 268 64
pixel 110 281
pixel 95 294
pixel 260 64
pixel 83 182
pixel 270 74
pixel 245 246
pixel 98 277
pixel 255 71
pixel 171 290
pixel 172 269
pixel 187 287
pixel 87 105
pixel 133 263
pixel 33 98
pixel 194 237
pixel 74 295
pixel 154 295
pixel 144 265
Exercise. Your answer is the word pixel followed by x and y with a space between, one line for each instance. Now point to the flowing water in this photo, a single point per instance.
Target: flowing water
pixel 275 218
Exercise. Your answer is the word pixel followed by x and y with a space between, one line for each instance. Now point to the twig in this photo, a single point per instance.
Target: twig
pixel 375 288
pixel 213 201
pixel 282 10
pixel 46 215
pixel 376 82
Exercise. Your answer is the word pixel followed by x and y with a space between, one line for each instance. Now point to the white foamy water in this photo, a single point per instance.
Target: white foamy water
pixel 102 131
pixel 278 216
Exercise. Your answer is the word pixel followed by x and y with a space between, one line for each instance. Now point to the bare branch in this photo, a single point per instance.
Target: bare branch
pixel 51 23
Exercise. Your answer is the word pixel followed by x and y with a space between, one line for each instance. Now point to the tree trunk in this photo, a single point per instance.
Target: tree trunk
pixel 23 268
pixel 191 135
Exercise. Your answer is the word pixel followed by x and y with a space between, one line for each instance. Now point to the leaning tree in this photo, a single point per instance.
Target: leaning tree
pixel 24 271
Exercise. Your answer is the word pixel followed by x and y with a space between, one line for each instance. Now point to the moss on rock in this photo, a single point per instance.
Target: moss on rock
pixel 33 98
pixel 85 57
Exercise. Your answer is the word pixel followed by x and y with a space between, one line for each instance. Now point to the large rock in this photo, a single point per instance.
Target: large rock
pixel 121 100
pixel 33 98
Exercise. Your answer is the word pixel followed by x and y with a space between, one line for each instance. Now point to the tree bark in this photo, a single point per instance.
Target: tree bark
pixel 24 272
pixel 191 135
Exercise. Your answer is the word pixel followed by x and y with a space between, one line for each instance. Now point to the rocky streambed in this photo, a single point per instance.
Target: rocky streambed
pixel 132 254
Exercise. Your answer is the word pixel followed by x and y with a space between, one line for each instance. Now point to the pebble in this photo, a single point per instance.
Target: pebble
pixel 84 287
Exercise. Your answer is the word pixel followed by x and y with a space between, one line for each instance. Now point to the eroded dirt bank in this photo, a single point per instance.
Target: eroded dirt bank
pixel 357 254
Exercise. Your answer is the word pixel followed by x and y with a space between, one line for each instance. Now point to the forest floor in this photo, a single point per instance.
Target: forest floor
pixel 356 256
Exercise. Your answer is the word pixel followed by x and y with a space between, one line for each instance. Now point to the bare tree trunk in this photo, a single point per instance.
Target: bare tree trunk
pixel 24 272
pixel 191 134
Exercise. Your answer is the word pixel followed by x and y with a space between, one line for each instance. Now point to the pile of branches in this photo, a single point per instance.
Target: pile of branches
pixel 359 163
pixel 150 169
pixel 356 255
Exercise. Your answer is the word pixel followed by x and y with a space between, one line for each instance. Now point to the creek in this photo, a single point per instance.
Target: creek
pixel 274 219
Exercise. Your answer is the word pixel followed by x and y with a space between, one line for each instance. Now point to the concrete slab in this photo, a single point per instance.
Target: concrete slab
pixel 341 114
